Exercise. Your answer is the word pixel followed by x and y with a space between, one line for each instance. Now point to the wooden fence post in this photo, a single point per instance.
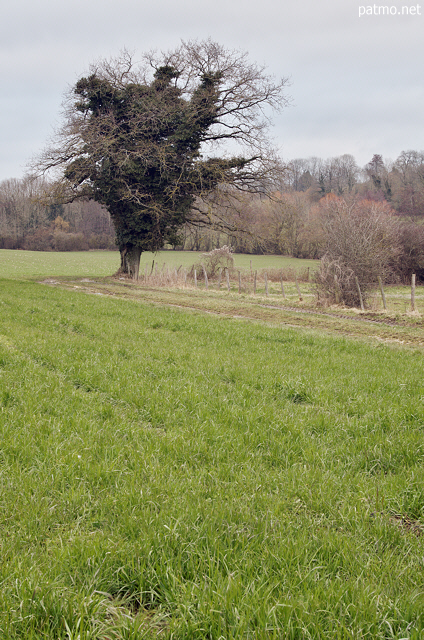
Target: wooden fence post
pixel 359 293
pixel 206 278
pixel 254 282
pixel 228 279
pixel 266 284
pixel 298 290
pixel 282 287
pixel 382 293
pixel 195 278
pixel 413 292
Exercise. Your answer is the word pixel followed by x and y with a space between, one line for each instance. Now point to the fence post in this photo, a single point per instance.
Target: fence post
pixel 266 284
pixel 228 279
pixel 382 293
pixel 359 293
pixel 195 278
pixel 413 292
pixel 206 278
pixel 298 290
pixel 254 282
pixel 239 274
pixel 282 288
pixel 185 277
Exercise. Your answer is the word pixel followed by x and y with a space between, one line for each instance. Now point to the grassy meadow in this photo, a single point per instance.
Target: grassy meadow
pixel 170 473
pixel 37 264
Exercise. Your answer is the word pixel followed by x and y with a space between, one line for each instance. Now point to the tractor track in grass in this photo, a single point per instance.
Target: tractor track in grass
pixel 362 318
pixel 385 330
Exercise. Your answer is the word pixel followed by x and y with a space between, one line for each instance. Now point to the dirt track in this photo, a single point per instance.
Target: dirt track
pixel 404 330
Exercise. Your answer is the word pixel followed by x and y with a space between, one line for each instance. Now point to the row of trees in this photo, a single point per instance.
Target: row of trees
pixel 282 224
pixel 399 182
pixel 28 222
pixel 289 221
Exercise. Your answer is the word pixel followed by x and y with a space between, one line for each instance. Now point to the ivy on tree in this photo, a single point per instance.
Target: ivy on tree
pixel 146 147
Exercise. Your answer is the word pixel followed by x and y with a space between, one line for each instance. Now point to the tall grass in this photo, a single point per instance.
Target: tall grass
pixel 168 474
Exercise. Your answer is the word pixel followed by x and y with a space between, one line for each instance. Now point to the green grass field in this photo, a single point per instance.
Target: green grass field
pixel 37 264
pixel 170 473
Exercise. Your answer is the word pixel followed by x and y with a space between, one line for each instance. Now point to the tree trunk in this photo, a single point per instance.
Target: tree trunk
pixel 130 261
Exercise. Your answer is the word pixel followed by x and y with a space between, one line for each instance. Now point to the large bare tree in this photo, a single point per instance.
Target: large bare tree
pixel 152 141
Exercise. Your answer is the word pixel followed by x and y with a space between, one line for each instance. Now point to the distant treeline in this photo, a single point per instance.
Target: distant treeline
pixel 27 222
pixel 287 223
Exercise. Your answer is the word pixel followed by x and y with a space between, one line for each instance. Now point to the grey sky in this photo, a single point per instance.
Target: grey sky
pixel 356 82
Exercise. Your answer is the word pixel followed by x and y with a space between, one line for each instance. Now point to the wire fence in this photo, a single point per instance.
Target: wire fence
pixel 284 284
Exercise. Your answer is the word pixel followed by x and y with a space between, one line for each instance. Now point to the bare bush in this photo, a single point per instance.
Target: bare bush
pixel 10 242
pixel 40 240
pixel 361 240
pixel 69 241
pixel 411 238
pixel 335 283
pixel 215 260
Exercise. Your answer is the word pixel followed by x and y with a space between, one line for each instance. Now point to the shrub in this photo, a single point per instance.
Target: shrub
pixel 411 239
pixel 335 283
pixel 40 240
pixel 69 242
pixel 10 242
pixel 361 240
pixel 215 260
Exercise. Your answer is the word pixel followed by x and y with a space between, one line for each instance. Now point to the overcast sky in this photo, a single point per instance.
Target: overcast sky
pixel 356 82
